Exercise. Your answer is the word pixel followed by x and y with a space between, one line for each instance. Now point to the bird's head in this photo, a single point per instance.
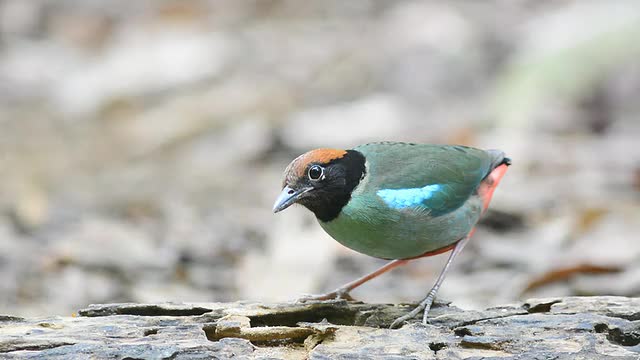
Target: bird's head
pixel 322 180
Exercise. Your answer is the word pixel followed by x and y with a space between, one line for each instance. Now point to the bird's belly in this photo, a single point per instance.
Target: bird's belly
pixel 402 234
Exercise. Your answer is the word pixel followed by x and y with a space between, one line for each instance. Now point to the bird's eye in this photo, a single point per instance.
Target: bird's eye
pixel 316 173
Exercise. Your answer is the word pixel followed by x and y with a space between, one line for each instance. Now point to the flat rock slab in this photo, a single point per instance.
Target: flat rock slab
pixel 554 328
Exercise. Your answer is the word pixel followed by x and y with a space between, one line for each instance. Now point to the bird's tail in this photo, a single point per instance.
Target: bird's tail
pixel 499 166
pixel 498 158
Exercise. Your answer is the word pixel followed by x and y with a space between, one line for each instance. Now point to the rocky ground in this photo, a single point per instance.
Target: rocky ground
pixel 553 328
pixel 142 144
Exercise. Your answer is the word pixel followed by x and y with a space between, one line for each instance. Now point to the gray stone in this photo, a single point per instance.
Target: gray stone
pixel 559 328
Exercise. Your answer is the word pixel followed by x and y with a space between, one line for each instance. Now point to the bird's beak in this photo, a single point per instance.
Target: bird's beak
pixel 288 197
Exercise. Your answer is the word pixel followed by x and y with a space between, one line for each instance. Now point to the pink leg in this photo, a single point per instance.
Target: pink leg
pixel 343 291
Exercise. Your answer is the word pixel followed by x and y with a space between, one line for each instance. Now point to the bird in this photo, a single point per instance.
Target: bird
pixel 396 201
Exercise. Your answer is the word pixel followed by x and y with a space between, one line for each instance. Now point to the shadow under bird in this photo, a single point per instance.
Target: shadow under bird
pixel 396 201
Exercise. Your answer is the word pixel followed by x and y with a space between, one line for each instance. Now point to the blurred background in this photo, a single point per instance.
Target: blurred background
pixel 142 144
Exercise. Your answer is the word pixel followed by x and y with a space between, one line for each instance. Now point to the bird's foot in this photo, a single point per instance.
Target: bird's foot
pixel 424 307
pixel 337 294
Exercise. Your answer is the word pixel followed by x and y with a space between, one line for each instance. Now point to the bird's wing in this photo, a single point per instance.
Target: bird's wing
pixel 436 178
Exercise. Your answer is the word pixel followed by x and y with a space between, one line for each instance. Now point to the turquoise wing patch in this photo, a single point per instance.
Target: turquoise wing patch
pixel 407 198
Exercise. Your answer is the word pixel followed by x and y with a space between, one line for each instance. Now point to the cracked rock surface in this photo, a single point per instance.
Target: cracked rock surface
pixel 552 328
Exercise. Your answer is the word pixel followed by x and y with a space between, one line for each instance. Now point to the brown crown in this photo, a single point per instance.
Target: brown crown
pixel 298 167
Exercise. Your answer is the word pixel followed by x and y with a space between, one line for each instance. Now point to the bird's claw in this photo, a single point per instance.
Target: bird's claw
pixel 338 294
pixel 423 308
pixel 399 321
